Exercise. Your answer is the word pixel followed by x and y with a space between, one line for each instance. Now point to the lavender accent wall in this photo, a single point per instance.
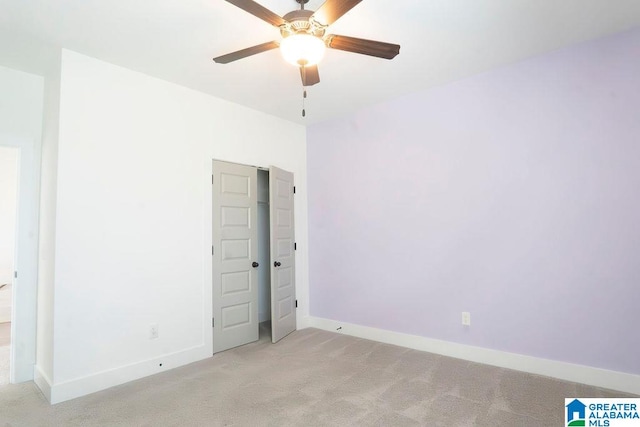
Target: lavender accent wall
pixel 514 195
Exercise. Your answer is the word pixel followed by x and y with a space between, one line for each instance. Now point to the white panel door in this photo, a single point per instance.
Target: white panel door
pixel 235 246
pixel 283 289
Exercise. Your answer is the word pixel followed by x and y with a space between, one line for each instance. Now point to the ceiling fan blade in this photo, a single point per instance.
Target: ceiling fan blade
pixel 363 46
pixel 260 11
pixel 309 75
pixel 239 54
pixel 332 10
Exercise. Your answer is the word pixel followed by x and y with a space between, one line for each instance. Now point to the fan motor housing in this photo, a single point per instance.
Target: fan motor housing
pixel 298 22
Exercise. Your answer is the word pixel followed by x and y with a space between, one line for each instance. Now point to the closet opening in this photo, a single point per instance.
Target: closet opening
pixel 253 254
pixel 264 256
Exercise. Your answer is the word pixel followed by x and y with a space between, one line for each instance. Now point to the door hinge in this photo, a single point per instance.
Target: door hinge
pixel 296 303
pixel 212 179
pixel 213 322
pixel 211 250
pixel 294 189
pixel 15 274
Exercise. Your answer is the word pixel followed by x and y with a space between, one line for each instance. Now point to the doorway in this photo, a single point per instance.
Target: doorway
pixel 8 209
pixel 253 254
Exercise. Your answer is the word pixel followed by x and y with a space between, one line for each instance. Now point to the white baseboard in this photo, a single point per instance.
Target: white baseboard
pixel 42 381
pixel 628 383
pixel 60 392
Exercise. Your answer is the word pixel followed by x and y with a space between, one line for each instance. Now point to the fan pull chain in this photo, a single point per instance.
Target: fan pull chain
pixel 304 96
pixel 304 82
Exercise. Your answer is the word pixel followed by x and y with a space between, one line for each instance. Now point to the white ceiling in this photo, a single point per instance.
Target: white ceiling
pixel 442 40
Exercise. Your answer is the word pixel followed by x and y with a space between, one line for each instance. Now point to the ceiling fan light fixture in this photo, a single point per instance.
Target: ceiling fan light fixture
pixel 302 49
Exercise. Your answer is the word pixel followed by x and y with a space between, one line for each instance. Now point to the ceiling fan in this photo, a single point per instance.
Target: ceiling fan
pixel 304 39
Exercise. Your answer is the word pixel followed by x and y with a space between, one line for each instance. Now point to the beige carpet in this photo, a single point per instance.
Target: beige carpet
pixel 312 378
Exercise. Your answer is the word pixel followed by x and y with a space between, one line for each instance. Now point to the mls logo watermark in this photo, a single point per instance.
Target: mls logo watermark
pixel 602 412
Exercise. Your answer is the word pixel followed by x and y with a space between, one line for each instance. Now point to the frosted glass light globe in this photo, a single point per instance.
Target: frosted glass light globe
pixel 302 49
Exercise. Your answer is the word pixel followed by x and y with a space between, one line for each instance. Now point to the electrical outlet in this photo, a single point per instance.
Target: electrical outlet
pixel 466 318
pixel 153 331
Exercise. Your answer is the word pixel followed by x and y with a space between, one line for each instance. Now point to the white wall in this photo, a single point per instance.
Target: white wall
pixel 21 127
pixel 8 195
pixel 133 219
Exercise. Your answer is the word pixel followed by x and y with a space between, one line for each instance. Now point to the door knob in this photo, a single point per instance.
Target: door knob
pixel 277 264
pixel 255 264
